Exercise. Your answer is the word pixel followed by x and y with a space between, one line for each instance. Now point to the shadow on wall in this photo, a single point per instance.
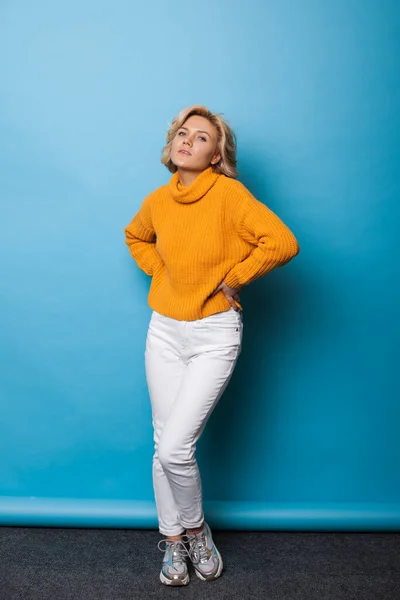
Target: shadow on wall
pixel 238 446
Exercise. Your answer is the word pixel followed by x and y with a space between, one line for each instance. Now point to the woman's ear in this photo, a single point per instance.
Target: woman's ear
pixel 216 158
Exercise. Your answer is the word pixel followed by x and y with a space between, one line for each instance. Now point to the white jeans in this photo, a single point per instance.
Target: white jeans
pixel 188 366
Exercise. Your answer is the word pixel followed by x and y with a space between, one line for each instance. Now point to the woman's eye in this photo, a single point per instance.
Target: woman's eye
pixel 201 137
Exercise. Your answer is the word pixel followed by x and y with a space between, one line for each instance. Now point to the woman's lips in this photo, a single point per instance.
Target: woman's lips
pixel 185 152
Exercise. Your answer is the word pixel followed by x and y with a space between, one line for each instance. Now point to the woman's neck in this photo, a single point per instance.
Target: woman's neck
pixel 186 178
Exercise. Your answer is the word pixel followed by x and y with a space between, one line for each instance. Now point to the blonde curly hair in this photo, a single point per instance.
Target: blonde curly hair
pixel 226 140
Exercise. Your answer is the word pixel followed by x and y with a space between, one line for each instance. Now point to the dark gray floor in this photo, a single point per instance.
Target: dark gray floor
pixel 121 564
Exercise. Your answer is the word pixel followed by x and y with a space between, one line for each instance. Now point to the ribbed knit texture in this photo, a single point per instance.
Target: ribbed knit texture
pixel 190 239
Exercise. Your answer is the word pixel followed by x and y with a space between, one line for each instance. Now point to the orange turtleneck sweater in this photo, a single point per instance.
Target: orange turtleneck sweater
pixel 190 239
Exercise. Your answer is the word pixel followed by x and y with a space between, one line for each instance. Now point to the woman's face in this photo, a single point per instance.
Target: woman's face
pixel 194 147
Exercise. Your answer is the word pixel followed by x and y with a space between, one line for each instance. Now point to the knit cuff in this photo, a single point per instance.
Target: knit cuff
pixel 157 263
pixel 232 280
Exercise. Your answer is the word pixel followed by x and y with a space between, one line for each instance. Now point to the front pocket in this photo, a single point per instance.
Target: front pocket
pixel 228 323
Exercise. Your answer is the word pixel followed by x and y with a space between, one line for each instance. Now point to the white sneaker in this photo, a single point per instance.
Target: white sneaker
pixel 174 568
pixel 204 555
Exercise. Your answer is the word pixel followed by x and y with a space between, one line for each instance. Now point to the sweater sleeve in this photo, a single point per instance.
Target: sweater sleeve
pixel 141 239
pixel 274 243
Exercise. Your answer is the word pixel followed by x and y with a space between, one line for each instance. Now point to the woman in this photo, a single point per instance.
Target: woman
pixel 201 237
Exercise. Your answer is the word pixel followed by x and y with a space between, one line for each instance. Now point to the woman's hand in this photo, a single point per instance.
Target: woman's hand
pixel 231 294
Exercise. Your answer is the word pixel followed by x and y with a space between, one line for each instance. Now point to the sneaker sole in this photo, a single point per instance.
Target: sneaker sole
pixel 174 582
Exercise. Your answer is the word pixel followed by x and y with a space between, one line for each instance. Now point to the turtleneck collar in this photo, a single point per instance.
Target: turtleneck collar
pixel 196 190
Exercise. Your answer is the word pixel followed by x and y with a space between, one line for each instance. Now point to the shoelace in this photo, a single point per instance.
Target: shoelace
pixel 177 548
pixel 198 548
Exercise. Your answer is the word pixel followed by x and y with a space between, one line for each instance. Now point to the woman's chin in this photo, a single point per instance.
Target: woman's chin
pixel 181 160
pixel 187 165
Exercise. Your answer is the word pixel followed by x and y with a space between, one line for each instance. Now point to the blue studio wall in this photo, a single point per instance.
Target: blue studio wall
pixel 306 434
